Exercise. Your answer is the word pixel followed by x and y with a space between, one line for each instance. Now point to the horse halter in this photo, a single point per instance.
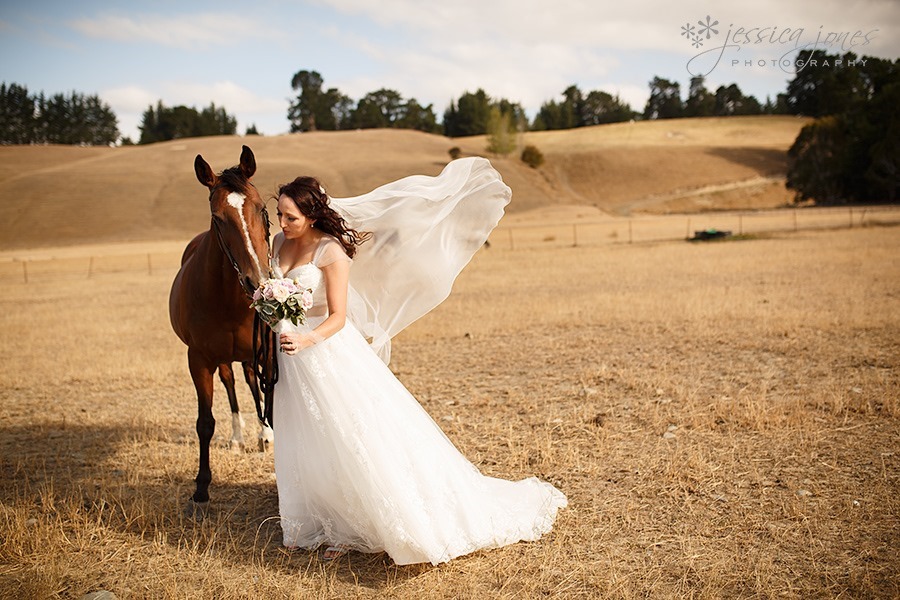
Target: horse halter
pixel 227 251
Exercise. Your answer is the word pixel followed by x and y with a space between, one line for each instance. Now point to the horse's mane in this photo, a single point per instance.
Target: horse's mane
pixel 234 179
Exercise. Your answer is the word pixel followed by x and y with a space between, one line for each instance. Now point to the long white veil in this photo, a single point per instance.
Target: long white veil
pixel 424 231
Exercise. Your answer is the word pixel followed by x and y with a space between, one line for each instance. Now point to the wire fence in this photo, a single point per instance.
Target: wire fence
pixel 82 264
pixel 71 265
pixel 678 227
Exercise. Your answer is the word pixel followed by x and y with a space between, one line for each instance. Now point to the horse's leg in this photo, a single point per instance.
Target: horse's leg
pixel 237 421
pixel 202 374
pixel 266 435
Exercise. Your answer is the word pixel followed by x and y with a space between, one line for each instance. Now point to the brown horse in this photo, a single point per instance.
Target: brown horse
pixel 209 305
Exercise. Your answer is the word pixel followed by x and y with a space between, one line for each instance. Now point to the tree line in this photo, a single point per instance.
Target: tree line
pixel 851 151
pixel 665 101
pixel 318 109
pixel 173 122
pixel 58 119
pixel 76 118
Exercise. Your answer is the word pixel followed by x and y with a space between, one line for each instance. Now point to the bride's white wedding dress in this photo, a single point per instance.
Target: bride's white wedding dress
pixel 358 461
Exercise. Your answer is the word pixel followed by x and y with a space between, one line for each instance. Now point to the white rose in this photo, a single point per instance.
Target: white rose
pixel 280 291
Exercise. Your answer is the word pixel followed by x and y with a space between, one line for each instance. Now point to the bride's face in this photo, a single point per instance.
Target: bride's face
pixel 293 223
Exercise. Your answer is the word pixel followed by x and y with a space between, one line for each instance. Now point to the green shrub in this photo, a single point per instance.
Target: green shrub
pixel 532 157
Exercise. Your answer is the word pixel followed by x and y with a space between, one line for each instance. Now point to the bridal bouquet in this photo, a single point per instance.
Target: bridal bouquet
pixel 282 299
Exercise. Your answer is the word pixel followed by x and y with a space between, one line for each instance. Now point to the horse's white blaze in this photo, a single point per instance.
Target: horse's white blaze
pixel 237 201
pixel 237 428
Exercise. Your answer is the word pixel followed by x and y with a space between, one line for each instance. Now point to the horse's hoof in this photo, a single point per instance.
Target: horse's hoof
pixel 266 438
pixel 196 510
pixel 236 446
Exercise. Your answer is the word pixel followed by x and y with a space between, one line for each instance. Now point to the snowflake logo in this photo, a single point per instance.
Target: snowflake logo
pixel 688 30
pixel 696 41
pixel 707 27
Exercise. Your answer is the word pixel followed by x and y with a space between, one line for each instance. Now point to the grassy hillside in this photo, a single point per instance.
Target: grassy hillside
pixel 659 166
pixel 63 195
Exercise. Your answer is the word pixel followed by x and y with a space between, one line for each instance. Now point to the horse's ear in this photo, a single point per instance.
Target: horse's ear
pixel 204 172
pixel 248 162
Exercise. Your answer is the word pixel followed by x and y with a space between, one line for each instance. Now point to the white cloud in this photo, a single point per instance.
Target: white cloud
pixel 178 31
pixel 529 73
pixel 129 99
pixel 351 40
pixel 227 94
pixel 223 93
pixel 526 74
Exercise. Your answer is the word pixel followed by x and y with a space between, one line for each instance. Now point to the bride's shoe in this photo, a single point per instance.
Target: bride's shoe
pixel 335 552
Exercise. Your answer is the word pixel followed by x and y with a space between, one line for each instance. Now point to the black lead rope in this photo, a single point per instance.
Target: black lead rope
pixel 265 345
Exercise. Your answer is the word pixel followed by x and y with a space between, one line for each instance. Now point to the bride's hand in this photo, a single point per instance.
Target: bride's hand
pixel 292 343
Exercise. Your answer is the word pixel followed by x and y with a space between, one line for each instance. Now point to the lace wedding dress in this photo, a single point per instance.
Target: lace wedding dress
pixel 358 461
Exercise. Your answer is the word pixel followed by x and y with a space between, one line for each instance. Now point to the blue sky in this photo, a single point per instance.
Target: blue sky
pixel 242 55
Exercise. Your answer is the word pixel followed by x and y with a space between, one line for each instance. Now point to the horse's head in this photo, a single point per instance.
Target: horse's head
pixel 239 218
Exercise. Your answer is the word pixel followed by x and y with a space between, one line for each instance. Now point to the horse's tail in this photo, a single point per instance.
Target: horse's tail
pixel 265 365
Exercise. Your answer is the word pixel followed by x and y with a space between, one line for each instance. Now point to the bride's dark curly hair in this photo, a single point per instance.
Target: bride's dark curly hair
pixel 311 200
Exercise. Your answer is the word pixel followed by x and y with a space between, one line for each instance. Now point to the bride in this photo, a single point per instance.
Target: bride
pixel 359 464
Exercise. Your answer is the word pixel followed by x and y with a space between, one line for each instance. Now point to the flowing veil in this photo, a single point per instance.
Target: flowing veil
pixel 424 231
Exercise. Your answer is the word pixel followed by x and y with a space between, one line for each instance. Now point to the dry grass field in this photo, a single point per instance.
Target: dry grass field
pixel 724 418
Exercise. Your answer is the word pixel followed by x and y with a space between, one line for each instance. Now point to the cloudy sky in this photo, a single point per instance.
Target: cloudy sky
pixel 242 55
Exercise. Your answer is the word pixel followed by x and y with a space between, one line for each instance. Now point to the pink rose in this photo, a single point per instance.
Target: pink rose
pixel 306 299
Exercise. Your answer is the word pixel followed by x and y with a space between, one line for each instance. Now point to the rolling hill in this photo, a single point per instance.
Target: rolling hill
pixel 57 196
